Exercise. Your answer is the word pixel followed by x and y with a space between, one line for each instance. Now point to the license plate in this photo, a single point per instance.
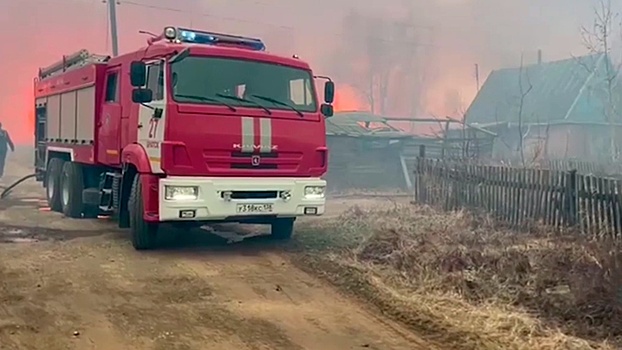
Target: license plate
pixel 254 208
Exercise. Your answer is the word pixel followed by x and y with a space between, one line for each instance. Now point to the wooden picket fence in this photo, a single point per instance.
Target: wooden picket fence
pixel 523 196
pixel 597 168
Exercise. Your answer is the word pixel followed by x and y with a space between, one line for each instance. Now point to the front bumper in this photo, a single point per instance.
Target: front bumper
pixel 212 205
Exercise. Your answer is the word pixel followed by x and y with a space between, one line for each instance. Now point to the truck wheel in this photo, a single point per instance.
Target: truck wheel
pixel 52 184
pixel 282 229
pixel 72 184
pixel 144 234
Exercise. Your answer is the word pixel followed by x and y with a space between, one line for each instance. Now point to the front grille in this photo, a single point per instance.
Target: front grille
pixel 226 160
pixel 265 162
pixel 249 155
pixel 250 166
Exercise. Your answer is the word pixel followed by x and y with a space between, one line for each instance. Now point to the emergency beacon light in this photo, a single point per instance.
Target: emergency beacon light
pixel 192 36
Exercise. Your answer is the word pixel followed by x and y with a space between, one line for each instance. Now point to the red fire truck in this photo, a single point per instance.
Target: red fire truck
pixel 195 128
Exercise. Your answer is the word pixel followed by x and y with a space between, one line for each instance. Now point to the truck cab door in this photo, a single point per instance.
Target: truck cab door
pixel 109 124
pixel 152 115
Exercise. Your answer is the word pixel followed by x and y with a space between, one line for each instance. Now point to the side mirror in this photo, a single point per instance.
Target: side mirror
pixel 329 92
pixel 142 95
pixel 327 110
pixel 138 73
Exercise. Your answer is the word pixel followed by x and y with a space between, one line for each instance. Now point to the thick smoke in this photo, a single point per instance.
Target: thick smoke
pixel 435 61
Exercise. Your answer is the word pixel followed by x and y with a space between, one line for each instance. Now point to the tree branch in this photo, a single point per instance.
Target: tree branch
pixel 523 94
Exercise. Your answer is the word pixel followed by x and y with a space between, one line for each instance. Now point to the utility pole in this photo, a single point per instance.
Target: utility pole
pixel 477 76
pixel 112 14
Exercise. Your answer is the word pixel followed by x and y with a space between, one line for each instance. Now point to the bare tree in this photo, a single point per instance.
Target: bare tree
pixel 377 56
pixel 380 65
pixel 418 54
pixel 524 91
pixel 598 39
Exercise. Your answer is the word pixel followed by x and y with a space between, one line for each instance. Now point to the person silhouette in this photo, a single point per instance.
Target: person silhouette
pixel 5 140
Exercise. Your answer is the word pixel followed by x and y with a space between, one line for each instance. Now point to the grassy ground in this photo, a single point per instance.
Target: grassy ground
pixel 467 283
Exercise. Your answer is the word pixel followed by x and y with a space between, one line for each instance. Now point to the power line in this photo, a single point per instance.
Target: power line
pixel 225 18
pixel 177 10
pixel 239 20
pixel 61 1
pixel 256 2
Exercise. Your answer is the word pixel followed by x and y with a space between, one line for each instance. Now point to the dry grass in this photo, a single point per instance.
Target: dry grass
pixel 467 283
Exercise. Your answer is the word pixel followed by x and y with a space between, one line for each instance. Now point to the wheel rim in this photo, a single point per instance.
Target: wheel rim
pixel 49 184
pixel 65 191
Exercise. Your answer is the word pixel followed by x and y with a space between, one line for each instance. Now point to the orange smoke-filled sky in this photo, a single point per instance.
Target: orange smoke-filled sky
pixel 456 34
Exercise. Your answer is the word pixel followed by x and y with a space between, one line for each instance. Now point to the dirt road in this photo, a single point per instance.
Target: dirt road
pixel 78 284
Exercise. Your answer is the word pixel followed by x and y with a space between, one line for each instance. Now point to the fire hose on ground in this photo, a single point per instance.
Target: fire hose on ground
pixel 5 193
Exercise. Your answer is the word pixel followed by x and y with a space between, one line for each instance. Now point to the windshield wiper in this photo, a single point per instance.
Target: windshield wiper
pixel 270 99
pixel 235 98
pixel 207 99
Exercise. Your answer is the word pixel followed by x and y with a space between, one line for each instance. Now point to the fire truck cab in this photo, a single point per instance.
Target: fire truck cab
pixel 197 127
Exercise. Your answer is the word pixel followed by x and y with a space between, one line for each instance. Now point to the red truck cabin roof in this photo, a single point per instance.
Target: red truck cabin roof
pixel 166 48
pixel 87 75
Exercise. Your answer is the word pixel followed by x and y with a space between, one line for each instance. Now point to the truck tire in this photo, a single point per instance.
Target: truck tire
pixel 72 184
pixel 52 184
pixel 144 234
pixel 282 229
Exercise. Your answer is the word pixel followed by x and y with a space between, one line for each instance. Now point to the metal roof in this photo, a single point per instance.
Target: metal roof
pixel 353 124
pixel 571 90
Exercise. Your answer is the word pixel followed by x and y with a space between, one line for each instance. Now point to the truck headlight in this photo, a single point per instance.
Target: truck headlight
pixel 181 192
pixel 314 192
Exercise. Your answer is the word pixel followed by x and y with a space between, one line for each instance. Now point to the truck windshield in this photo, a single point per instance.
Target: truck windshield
pixel 211 80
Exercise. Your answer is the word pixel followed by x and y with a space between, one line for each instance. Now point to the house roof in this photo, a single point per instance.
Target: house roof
pixel 571 90
pixel 361 124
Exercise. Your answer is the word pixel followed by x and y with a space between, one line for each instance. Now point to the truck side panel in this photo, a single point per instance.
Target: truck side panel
pixel 68 116
pixel 68 101
pixel 85 117
pixel 53 118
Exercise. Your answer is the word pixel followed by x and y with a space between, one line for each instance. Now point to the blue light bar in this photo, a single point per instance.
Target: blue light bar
pixel 209 38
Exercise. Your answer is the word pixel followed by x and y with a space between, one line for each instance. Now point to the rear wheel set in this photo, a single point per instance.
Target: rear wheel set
pixel 72 185
pixel 64 183
pixel 52 184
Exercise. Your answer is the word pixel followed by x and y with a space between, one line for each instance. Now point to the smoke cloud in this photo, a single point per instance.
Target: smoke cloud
pixel 430 70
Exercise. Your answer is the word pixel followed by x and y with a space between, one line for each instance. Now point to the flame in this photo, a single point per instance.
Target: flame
pixel 347 98
pixel 54 30
pixel 452 91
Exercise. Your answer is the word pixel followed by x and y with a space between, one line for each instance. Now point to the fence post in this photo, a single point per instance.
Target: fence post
pixel 420 195
pixel 572 215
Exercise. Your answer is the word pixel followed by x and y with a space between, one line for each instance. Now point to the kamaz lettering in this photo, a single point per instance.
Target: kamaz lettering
pixel 272 148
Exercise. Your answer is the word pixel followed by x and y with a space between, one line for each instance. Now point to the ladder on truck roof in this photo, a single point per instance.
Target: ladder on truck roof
pixel 73 61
